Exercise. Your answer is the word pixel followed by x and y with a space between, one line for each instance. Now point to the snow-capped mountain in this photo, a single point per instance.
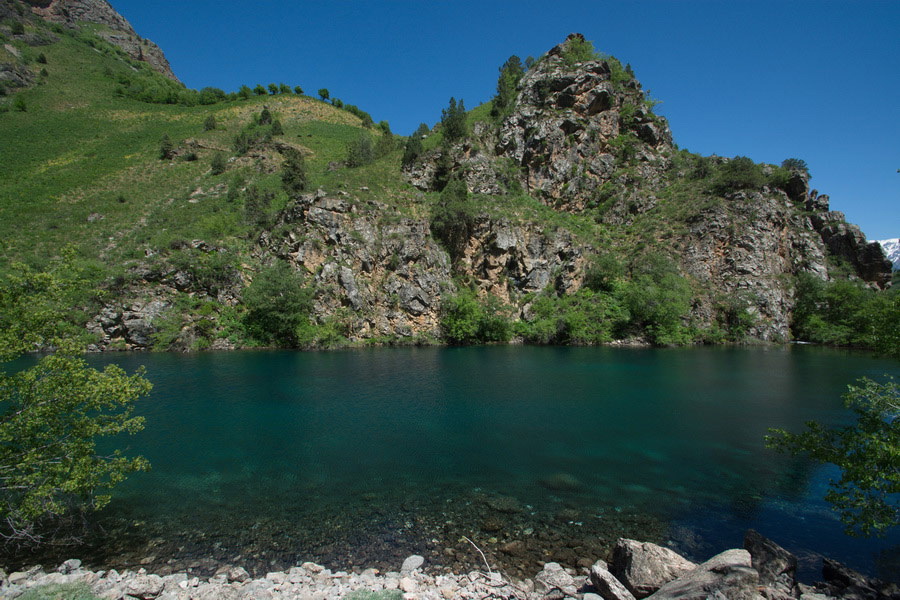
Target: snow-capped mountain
pixel 892 250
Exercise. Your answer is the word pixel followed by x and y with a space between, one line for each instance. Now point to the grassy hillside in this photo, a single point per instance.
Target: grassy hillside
pixel 82 163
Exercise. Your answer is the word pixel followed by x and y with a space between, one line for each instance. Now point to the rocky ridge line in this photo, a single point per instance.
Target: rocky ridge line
pixel 70 12
pixel 761 570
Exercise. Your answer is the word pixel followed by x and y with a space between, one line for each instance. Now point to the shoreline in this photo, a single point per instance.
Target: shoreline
pixel 760 570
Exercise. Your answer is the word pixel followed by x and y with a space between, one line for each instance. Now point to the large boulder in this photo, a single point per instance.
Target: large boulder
pixel 776 566
pixel 729 575
pixel 554 582
pixel 606 583
pixel 645 567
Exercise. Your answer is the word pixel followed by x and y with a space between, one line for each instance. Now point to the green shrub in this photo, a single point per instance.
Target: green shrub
pixel 658 300
pixel 242 143
pixel 210 272
pixel 365 117
pixel 211 95
pixel 256 206
pixel 277 128
pixel 324 94
pixel 734 318
pixel 298 90
pixel 273 88
pixel 846 313
pixel 19 104
pixel 452 217
pixel 795 164
pixel 585 317
pixel 466 320
pixel 265 117
pixel 209 123
pixel 259 90
pixel 42 58
pixel 17 28
pixel 218 164
pixel 385 145
pixel 739 173
pixel 279 304
pixel 413 148
pixel 602 272
pixel 360 151
pixel 166 148
pixel 284 88
pixel 293 173
pixel 779 178
pixel 577 49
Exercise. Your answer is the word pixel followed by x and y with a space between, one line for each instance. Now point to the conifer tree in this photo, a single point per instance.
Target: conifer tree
pixel 511 72
pixel 453 121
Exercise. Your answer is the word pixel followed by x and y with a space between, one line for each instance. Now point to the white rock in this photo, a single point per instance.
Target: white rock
pixel 73 564
pixel 407 584
pixel 412 563
pixel 312 567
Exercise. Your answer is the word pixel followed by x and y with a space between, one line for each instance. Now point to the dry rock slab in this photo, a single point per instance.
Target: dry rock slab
pixel 606 583
pixel 645 567
pixel 729 575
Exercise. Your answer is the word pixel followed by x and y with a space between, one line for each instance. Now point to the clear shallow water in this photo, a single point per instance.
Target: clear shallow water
pixel 363 457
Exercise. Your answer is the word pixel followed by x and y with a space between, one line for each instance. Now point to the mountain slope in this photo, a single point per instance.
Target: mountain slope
pixel 578 220
pixel 892 251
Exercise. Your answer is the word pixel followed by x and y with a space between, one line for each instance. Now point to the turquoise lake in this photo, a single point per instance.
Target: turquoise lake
pixel 362 457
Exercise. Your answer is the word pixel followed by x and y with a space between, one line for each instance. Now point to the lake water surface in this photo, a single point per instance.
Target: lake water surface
pixel 361 457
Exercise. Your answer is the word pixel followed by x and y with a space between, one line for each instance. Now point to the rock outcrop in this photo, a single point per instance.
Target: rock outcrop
pixel 581 137
pixel 380 266
pixel 388 272
pixel 645 567
pixel 119 32
pixel 571 125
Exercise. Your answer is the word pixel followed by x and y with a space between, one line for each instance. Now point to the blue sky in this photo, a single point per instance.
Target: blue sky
pixel 817 80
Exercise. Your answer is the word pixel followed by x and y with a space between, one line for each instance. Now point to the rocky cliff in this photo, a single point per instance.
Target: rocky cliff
pixel 118 30
pixel 577 169
pixel 582 138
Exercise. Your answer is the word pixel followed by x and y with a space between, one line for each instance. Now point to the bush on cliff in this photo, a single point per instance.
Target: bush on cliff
pixel 467 320
pixel 279 304
pixel 452 217
pixel 585 317
pixel 739 173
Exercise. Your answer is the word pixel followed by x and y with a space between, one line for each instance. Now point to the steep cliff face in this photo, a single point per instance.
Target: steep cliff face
pixel 384 276
pixel 120 32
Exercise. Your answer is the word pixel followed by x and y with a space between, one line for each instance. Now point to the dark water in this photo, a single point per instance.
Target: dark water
pixel 359 458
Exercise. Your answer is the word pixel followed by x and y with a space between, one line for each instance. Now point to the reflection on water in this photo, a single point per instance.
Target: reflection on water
pixel 360 457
